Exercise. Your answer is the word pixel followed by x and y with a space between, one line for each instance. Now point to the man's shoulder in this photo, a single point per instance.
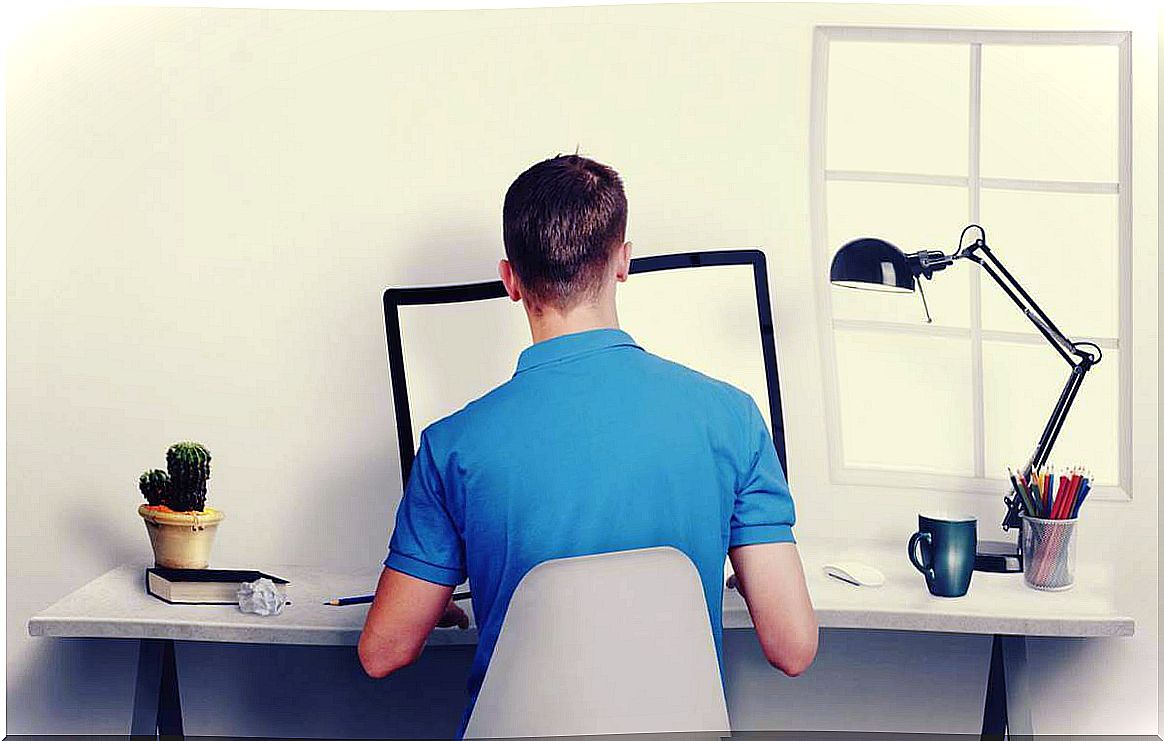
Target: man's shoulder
pixel 685 379
pixel 482 410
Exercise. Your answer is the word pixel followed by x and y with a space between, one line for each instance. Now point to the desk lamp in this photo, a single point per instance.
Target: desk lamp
pixel 874 264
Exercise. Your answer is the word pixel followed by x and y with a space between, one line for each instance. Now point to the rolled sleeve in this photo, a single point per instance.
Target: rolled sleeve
pixel 426 542
pixel 422 570
pixel 764 511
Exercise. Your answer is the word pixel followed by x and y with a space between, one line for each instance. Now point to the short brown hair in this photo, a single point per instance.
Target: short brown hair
pixel 561 220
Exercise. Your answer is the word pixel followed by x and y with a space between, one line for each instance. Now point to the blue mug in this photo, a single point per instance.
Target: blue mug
pixel 943 550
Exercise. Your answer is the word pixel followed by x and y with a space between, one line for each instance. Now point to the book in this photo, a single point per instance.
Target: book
pixel 201 586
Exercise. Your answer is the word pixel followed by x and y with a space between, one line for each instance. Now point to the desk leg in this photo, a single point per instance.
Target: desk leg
pixel 157 706
pixel 1018 694
pixel 994 714
pixel 1008 711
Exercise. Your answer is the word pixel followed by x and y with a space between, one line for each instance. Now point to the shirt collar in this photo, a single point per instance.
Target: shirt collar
pixel 566 346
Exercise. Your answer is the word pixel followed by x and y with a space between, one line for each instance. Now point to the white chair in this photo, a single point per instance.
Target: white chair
pixel 603 644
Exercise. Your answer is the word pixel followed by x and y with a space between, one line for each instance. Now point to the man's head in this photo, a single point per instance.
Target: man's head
pixel 564 224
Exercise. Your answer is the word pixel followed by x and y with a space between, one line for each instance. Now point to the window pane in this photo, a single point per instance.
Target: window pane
pixel 1021 385
pixel 1050 112
pixel 1063 249
pixel 898 107
pixel 912 217
pixel 905 402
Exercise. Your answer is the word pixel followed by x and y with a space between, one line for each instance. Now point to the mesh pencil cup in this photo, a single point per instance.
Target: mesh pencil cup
pixel 1048 553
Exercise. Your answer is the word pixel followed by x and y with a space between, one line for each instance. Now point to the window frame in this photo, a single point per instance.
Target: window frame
pixel 973 182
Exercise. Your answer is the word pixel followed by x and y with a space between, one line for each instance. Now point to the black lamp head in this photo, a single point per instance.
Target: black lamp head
pixel 872 264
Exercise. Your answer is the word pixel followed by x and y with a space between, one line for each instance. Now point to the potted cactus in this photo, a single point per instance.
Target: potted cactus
pixel 180 525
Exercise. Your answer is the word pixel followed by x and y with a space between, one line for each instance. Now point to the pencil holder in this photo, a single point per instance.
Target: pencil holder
pixel 1048 553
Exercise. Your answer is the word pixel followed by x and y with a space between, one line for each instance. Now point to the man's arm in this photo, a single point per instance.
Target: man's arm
pixel 426 559
pixel 404 612
pixel 771 580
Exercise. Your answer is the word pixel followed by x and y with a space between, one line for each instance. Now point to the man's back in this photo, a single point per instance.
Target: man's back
pixel 594 445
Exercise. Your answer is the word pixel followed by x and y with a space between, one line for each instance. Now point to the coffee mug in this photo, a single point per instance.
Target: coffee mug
pixel 943 549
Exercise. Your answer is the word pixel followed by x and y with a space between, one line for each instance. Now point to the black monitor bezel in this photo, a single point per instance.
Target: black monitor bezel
pixel 394 298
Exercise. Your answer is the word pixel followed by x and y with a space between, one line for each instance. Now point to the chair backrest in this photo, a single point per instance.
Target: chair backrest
pixel 610 643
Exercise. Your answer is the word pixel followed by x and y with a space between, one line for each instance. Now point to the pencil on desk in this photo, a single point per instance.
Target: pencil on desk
pixel 364 599
pixel 341 601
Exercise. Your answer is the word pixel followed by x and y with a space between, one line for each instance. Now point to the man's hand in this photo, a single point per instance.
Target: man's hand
pixel 454 615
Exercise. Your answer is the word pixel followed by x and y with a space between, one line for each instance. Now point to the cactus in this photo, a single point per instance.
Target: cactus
pixel 189 467
pixel 183 487
pixel 155 486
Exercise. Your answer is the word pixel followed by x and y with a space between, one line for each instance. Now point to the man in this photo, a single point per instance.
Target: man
pixel 594 445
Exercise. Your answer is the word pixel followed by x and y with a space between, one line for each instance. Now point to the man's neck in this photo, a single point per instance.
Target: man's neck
pixel 548 323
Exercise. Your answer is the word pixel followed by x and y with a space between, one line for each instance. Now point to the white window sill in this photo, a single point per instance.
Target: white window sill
pixel 947 483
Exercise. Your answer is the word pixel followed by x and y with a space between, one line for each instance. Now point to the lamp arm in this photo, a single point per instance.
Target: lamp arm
pixel 990 263
pixel 1079 359
pixel 1047 439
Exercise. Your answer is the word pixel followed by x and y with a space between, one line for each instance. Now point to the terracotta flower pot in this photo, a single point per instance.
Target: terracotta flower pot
pixel 181 540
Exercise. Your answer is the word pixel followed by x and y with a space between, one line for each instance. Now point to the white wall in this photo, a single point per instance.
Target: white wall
pixel 204 207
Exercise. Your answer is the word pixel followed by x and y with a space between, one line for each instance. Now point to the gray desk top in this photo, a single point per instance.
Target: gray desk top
pixel 115 605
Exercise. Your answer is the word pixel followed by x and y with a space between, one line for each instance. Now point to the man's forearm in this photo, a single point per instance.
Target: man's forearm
pixel 771 579
pixel 403 614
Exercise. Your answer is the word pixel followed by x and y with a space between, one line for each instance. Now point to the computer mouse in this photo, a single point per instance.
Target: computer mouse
pixel 856 573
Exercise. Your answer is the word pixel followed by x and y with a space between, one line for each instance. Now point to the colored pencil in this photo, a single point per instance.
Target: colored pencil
pixel 1022 494
pixel 1079 499
pixel 1076 481
pixel 1064 501
pixel 1033 495
pixel 1062 495
pixel 1049 484
pixel 1057 511
pixel 1037 493
pixel 1075 489
pixel 1075 492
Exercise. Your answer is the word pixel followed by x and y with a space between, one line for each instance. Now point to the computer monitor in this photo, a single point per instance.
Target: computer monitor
pixel 448 345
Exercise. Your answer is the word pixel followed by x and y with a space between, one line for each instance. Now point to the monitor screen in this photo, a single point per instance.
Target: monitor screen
pixel 709 311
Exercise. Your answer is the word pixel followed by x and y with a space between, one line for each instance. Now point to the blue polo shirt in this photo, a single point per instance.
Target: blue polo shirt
pixel 594 445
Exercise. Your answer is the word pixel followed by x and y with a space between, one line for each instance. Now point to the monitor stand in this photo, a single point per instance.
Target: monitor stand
pixel 998 556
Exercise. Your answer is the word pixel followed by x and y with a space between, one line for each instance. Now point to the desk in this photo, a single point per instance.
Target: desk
pixel 115 605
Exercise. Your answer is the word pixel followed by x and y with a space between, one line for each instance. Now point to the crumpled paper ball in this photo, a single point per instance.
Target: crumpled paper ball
pixel 262 597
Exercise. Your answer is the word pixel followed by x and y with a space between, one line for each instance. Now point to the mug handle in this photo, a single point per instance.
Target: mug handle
pixel 919 563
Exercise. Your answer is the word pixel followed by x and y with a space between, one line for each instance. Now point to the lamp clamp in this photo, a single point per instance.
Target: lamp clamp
pixel 927 262
pixel 1014 511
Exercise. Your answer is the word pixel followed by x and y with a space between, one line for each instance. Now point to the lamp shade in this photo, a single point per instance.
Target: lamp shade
pixel 872 264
